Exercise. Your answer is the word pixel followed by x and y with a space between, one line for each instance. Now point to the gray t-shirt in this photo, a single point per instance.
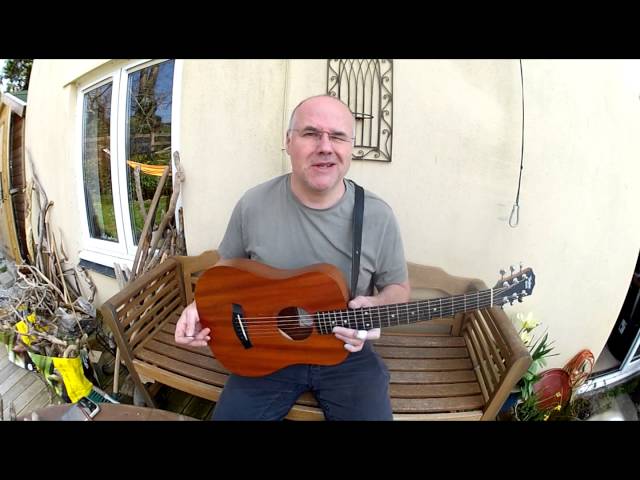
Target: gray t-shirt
pixel 270 225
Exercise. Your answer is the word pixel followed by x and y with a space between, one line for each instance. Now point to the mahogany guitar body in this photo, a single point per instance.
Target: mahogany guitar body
pixel 261 318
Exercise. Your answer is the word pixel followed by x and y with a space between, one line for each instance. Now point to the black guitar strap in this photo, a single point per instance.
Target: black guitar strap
pixel 358 212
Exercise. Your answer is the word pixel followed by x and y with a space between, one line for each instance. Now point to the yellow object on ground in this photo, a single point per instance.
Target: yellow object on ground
pixel 73 377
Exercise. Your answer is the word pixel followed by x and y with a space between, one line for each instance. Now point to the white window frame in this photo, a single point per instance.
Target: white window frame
pixel 123 251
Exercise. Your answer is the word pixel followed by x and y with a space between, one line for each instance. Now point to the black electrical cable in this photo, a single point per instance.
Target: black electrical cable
pixel 516 206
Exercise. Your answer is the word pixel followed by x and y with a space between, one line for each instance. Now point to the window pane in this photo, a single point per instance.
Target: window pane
pixel 148 140
pixel 96 166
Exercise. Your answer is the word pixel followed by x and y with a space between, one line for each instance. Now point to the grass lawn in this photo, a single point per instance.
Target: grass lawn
pixel 107 221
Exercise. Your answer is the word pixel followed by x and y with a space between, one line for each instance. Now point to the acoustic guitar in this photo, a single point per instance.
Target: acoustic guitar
pixel 263 318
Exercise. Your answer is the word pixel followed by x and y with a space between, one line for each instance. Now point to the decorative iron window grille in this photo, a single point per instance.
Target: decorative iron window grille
pixel 367 87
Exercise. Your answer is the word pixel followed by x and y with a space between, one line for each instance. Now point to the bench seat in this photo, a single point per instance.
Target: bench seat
pixel 460 368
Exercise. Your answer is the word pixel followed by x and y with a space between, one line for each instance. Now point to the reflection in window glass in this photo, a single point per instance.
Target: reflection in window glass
pixel 96 140
pixel 148 139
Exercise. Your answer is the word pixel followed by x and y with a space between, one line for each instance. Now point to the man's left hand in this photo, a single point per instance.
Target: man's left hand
pixel 354 339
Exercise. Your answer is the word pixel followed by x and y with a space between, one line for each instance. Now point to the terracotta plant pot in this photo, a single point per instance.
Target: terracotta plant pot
pixel 552 389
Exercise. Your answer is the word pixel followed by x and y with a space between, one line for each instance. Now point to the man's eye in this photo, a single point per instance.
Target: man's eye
pixel 309 134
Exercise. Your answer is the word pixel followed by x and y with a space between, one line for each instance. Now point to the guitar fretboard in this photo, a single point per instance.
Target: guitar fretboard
pixel 404 313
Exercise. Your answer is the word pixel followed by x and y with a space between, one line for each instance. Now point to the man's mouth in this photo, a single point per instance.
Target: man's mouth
pixel 323 165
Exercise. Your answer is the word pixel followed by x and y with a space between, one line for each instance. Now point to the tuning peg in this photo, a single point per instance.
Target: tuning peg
pixel 502 272
pixel 520 298
pixel 512 268
pixel 521 266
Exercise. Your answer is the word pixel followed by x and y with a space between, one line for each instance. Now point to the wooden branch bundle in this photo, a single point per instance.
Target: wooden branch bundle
pixel 155 245
pixel 51 324
pixel 49 262
pixel 49 288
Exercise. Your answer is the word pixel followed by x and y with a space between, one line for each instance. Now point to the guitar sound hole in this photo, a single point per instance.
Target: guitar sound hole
pixel 295 323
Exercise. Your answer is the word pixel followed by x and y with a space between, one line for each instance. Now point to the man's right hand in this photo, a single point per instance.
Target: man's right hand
pixel 188 329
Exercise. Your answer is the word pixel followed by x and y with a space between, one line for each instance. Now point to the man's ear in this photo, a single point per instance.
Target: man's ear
pixel 287 141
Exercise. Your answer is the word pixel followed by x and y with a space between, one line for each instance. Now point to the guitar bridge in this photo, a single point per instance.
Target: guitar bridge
pixel 237 320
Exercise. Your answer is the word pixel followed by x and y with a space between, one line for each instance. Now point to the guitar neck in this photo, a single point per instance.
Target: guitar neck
pixel 405 313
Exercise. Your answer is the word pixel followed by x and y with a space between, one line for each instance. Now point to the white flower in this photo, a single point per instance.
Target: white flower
pixel 525 337
pixel 527 323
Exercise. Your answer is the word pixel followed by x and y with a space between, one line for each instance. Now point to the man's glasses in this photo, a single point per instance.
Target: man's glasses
pixel 313 135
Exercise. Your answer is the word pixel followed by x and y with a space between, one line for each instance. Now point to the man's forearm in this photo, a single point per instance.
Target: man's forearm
pixel 394 293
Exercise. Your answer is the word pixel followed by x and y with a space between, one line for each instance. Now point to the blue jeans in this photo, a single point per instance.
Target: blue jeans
pixel 356 389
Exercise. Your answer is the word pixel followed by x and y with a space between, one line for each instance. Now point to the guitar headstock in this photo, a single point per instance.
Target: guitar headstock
pixel 514 287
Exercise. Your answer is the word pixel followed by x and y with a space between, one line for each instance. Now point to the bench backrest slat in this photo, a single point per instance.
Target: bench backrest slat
pixel 497 354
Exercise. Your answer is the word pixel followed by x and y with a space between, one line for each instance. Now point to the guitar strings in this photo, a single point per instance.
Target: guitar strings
pixel 403 309
pixel 400 311
pixel 262 326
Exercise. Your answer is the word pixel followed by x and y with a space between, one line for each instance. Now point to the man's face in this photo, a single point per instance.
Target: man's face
pixel 319 160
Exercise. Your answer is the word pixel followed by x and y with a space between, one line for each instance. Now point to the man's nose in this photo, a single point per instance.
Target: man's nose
pixel 324 143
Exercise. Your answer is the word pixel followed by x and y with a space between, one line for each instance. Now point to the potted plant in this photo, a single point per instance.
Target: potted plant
pixel 524 400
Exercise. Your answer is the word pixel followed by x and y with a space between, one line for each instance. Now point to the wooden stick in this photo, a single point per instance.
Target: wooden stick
pixel 43 205
pixel 161 239
pixel 116 372
pixel 53 259
pixel 145 240
pixel 118 272
pixel 179 177
pixel 127 274
pixel 45 243
pixel 154 258
pixel 64 285
pixel 116 366
pixel 67 298
pixel 75 287
pixel 64 255
pixel 27 222
pixel 50 338
pixel 162 249
pixel 144 246
pixel 57 290
pixel 148 223
pixel 182 244
pixel 172 248
pixel 136 174
pixel 89 281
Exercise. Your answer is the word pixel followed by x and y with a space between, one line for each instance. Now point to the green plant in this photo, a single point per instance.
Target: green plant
pixel 579 409
pixel 539 353
pixel 528 407
pixel 628 387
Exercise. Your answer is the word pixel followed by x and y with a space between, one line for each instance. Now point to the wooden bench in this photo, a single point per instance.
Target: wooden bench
pixel 459 368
